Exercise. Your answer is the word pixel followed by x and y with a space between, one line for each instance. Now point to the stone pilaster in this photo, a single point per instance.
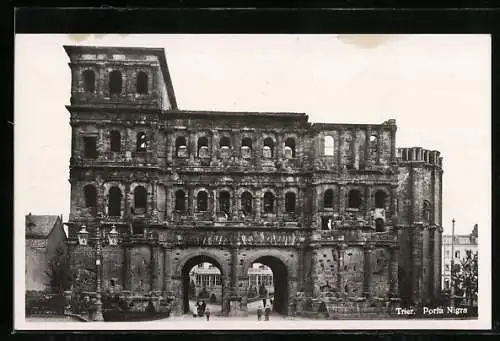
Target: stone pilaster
pixel 340 266
pixel 169 199
pixel 214 204
pixel 367 270
pixel 167 271
pixel 191 201
pixel 127 269
pixel 155 268
pixel 192 145
pixel 314 269
pixel 393 272
pixel 215 142
pixel 393 144
pixel 380 145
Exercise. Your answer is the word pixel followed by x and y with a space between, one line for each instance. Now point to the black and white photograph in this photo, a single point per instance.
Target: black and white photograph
pixel 175 181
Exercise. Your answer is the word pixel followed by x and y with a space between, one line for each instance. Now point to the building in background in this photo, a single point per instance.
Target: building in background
pixel 45 241
pixel 205 282
pixel 461 244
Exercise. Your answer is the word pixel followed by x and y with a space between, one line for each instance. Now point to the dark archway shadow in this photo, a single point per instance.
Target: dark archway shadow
pixel 280 281
pixel 186 279
pixel 404 287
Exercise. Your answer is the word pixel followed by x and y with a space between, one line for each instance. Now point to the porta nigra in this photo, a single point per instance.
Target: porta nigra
pixel 335 210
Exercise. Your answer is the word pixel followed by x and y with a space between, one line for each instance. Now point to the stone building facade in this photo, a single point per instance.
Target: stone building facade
pixel 45 242
pixel 330 208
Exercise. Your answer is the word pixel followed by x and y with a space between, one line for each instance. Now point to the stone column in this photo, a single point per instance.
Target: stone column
pixel 170 145
pixel 152 199
pixel 168 203
pixel 234 203
pixel 190 208
pixel 354 151
pixel 417 265
pixel 342 196
pixel 366 160
pixel 167 271
pixel 127 269
pixel 235 300
pixel 380 145
pixel 215 142
pixel 336 145
pixel 393 144
pixel 236 143
pixel 340 267
pixel 368 200
pixel 393 272
pixel 394 200
pixel 258 148
pixel 300 266
pixel 314 269
pixel 257 207
pixel 155 268
pixel 192 145
pixel 367 270
pixel 279 146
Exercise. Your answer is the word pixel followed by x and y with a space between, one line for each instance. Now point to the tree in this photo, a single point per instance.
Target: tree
pixel 57 273
pixel 465 277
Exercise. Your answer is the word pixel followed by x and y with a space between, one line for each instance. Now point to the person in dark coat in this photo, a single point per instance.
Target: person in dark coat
pixel 259 313
pixel 267 313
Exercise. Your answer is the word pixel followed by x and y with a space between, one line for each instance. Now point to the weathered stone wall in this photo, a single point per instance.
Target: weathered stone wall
pixel 353 271
pixel 112 268
pixel 380 261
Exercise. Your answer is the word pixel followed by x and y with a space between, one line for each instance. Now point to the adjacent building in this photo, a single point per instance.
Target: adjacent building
pixel 45 241
pixel 328 207
pixel 461 245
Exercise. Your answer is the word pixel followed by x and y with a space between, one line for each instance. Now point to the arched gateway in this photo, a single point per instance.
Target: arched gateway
pixel 232 259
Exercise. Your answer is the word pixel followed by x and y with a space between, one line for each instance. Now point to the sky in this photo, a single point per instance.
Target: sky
pixel 436 87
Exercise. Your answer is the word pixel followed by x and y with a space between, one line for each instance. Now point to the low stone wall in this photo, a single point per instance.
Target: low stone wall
pixel 337 308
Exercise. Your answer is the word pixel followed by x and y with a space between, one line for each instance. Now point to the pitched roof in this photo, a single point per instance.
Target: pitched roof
pixel 40 225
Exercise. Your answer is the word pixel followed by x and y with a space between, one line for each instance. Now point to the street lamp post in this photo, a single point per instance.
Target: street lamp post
pixel 452 294
pixel 98 262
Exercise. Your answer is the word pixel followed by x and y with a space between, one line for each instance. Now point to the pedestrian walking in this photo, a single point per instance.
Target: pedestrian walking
pixel 264 302
pixel 207 313
pixel 259 312
pixel 267 313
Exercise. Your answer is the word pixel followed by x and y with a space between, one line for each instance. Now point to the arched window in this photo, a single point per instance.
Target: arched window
pixel 290 202
pixel 225 142
pixel 373 140
pixel 246 142
pixel 89 80
pixel 141 142
pixel 114 202
pixel 115 82
pixel 203 147
pixel 142 82
pixel 380 198
pixel 246 202
pixel 289 148
pixel 246 148
pixel 225 146
pixel 224 202
pixel 329 146
pixel 354 199
pixel 427 211
pixel 180 201
pixel 180 147
pixel 379 225
pixel 140 198
pixel 328 199
pixel 90 194
pixel 115 138
pixel 268 149
pixel 268 202
pixel 202 201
